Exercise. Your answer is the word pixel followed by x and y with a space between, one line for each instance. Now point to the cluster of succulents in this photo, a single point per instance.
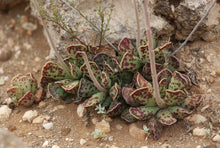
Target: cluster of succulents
pixel 121 85
pixel 25 90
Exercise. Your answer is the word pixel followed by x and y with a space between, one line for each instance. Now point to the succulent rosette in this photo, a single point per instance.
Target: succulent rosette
pixel 143 106
pixel 24 90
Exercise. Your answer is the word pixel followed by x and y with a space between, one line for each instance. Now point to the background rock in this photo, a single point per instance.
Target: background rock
pixel 4 112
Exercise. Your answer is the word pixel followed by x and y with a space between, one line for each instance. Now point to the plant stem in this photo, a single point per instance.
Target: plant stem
pixel 60 59
pixel 158 99
pixel 194 29
pixel 91 74
pixel 138 25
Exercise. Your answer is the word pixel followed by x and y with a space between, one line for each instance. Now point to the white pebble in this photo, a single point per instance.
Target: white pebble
pixel 45 144
pixel 55 146
pixel 216 138
pixel 82 141
pixel 48 125
pixel 5 112
pixel 29 115
pixel 199 131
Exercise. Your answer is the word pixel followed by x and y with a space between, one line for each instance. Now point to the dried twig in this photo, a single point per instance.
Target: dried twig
pixel 60 59
pixel 158 99
pixel 194 29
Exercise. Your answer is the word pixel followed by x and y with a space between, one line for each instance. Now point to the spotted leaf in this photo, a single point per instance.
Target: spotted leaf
pixel 163 87
pixel 115 108
pixel 143 112
pixel 105 80
pixel 27 100
pixel 192 102
pixel 129 62
pixel 101 58
pixel 179 112
pixel 15 93
pixel 127 116
pixel 128 99
pixel 125 45
pixel 155 127
pixel 75 71
pixel 57 92
pixel 178 82
pixel 115 91
pixel 144 53
pixel 141 82
pixel 159 54
pixel 94 99
pixel 172 97
pixel 146 70
pixel 165 117
pixel 165 73
pixel 173 63
pixel 144 96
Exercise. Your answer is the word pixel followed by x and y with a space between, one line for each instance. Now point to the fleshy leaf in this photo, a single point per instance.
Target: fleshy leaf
pixel 52 72
pixel 75 71
pixel 163 87
pixel 165 117
pixel 173 63
pixel 14 80
pixel 192 102
pixel 105 80
pixel 95 99
pixel 125 45
pixel 126 77
pixel 144 53
pixel 128 99
pixel 178 82
pixel 172 97
pixel 64 82
pixel 86 89
pixel 144 96
pixel 141 82
pixel 143 112
pixel 107 102
pixel 101 58
pixel 71 87
pixel 189 84
pixel 127 116
pixel 74 48
pixel 40 94
pixel 115 91
pixel 159 54
pixel 129 62
pixel 111 73
pixel 146 71
pixel 179 112
pixel 69 60
pixel 27 83
pixel 165 73
pixel 155 127
pixel 57 92
pixel 27 100
pixel 15 92
pixel 95 69
pixel 115 108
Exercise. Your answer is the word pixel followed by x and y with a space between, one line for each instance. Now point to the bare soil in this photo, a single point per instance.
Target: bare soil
pixel 33 52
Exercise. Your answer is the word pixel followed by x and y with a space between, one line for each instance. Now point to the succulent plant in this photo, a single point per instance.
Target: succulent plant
pixel 25 90
pixel 173 88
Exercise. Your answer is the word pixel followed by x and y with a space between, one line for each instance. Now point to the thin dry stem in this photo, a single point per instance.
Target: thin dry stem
pixel 158 99
pixel 91 74
pixel 138 25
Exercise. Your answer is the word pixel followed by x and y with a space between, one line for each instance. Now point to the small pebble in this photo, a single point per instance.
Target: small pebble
pixel 218 73
pixel 4 112
pixel 29 115
pixel 55 146
pixel 11 128
pixel 211 80
pixel 94 120
pixel 45 144
pixel 82 141
pixel 196 119
pixel 5 54
pixel 110 138
pixel 119 127
pixel 42 104
pixel 48 125
pixel 199 131
pixel 216 138
pixel 36 59
pixel 81 110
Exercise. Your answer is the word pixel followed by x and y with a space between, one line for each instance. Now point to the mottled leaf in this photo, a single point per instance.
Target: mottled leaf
pixel 179 112
pixel 165 73
pixel 115 108
pixel 100 58
pixel 128 99
pixel 27 100
pixel 172 97
pixel 189 84
pixel 141 82
pixel 192 102
pixel 107 102
pixel 115 91
pixel 57 92
pixel 111 72
pixel 40 94
pixel 173 63
pixel 143 112
pixel 15 92
pixel 127 116
pixel 146 71
pixel 129 62
pixel 165 117
pixel 126 77
pixel 125 45
pixel 144 53
pixel 74 48
pixel 105 80
pixel 71 87
pixel 144 96
pixel 95 99
pixel 52 72
pixel 163 87
pixel 178 82
pixel 159 54
pixel 75 71
pixel 86 89
pixel 155 127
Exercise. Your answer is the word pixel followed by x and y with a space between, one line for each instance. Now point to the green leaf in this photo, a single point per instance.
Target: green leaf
pixel 115 108
pixel 192 102
pixel 95 99
pixel 127 116
pixel 101 58
pixel 173 63
pixel 129 62
pixel 27 100
pixel 115 91
pixel 144 96
pixel 143 112
pixel 155 127
pixel 57 92
pixel 15 92
pixel 146 70
pixel 173 97
pixel 165 117
pixel 159 54
pixel 165 73
pixel 163 87
pixel 144 53
pixel 127 97
pixel 141 82
pixel 179 112
pixel 75 71
pixel 125 45
pixel 105 80
pixel 178 82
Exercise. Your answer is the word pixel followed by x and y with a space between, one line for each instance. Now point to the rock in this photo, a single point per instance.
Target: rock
pixel 9 140
pixel 29 26
pixel 103 126
pixel 144 146
pixel 218 73
pixel 216 138
pixel 65 131
pixel 12 128
pixel 45 144
pixel 94 120
pixel 119 127
pixel 209 36
pixel 55 146
pixel 82 141
pixel 196 119
pixel 4 112
pixel 165 146
pixel 48 125
pixel 1 70
pixel 81 110
pixel 36 59
pixel 199 131
pixel 29 115
pixel 42 104
pixel 5 54
pixel 3 79
pixel 58 107
pixel 136 132
pixel 110 138
pixel 38 119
